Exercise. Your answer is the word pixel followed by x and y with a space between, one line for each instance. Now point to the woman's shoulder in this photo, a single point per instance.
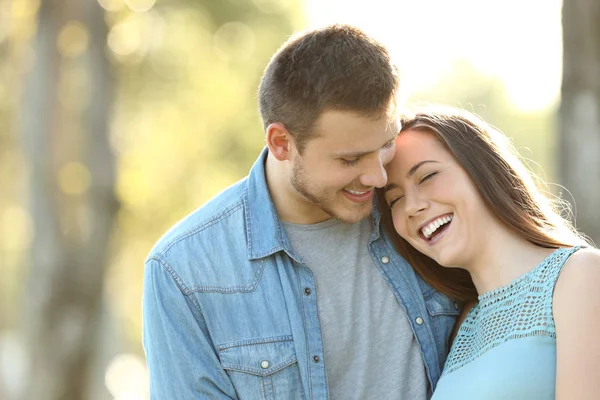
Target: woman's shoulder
pixel 582 264
pixel 586 254
pixel 576 302
pixel 578 283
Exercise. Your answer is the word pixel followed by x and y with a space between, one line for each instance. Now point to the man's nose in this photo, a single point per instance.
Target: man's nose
pixel 375 175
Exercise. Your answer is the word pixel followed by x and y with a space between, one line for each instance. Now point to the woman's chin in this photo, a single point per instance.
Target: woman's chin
pixel 443 261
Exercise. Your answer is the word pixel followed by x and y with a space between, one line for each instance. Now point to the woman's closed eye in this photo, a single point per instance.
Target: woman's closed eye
pixel 395 199
pixel 427 177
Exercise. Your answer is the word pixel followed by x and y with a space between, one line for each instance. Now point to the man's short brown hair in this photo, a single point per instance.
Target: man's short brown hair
pixel 338 67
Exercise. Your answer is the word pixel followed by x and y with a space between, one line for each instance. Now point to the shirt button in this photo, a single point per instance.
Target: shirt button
pixel 419 321
pixel 264 364
pixel 385 259
pixel 316 359
pixel 307 291
pixel 456 305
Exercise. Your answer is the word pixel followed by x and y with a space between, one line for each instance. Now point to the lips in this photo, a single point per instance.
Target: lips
pixel 435 226
pixel 358 196
pixel 357 192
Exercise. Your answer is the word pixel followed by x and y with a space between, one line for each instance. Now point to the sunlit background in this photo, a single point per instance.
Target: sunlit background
pixel 179 100
pixel 498 39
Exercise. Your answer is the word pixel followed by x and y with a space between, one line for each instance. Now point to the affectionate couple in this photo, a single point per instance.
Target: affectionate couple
pixel 367 257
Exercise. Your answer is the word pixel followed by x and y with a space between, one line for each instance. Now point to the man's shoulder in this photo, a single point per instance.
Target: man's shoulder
pixel 223 212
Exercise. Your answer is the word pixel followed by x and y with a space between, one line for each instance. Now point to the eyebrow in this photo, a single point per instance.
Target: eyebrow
pixel 363 153
pixel 418 165
pixel 410 173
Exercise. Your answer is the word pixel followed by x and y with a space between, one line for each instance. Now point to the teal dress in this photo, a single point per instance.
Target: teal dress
pixel 506 347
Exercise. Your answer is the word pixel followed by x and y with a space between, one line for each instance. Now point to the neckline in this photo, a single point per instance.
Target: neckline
pixel 518 280
pixel 311 227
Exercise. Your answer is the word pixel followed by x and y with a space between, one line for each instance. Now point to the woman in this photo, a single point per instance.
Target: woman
pixel 459 196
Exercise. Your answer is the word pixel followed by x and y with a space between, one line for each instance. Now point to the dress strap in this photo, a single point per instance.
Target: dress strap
pixel 550 272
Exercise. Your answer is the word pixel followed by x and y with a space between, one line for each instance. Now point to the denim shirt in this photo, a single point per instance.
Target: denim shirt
pixel 229 311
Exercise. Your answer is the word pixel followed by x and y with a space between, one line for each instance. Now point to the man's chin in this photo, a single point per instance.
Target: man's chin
pixel 351 216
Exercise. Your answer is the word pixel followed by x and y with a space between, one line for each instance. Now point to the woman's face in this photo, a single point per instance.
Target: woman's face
pixel 435 205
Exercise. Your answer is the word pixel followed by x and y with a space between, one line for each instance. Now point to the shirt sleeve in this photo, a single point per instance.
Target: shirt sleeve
pixel 182 362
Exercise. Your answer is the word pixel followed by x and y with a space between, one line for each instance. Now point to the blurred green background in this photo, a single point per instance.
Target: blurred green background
pixel 119 117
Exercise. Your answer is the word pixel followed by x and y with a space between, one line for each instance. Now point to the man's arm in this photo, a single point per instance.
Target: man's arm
pixel 181 360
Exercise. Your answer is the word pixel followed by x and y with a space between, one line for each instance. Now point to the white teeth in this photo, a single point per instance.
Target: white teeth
pixel 435 224
pixel 355 192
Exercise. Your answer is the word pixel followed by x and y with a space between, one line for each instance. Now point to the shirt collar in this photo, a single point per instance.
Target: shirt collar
pixel 264 233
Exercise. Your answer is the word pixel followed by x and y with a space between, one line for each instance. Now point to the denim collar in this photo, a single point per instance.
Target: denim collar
pixel 264 233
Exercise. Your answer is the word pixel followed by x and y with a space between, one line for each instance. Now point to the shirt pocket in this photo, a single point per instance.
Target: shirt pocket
pixel 443 312
pixel 263 369
pixel 438 304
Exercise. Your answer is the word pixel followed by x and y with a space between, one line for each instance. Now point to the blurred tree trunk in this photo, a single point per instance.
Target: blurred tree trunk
pixel 72 226
pixel 579 150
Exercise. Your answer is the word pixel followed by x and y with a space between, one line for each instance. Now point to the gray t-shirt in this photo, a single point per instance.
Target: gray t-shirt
pixel 370 349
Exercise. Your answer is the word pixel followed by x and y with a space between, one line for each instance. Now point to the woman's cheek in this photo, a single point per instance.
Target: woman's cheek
pixel 399 225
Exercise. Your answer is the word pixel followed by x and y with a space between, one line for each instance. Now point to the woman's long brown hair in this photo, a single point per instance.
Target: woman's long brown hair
pixel 512 193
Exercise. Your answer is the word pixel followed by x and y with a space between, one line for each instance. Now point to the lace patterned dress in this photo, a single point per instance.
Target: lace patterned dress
pixel 506 347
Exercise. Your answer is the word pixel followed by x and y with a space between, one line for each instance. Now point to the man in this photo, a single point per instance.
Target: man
pixel 283 286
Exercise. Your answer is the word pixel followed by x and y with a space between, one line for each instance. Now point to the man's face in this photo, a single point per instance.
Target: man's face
pixel 340 169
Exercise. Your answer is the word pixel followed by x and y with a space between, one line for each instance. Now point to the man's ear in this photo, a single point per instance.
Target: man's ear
pixel 280 142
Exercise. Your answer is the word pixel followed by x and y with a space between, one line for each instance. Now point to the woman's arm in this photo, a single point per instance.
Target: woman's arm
pixel 576 309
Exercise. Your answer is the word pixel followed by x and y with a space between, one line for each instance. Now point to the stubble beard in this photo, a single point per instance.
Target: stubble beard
pixel 325 202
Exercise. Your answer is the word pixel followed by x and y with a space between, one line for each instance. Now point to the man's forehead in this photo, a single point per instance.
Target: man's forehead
pixel 331 118
pixel 344 132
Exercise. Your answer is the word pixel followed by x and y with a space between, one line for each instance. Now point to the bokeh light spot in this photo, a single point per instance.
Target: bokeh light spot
pixel 73 39
pixel 140 5
pixel 24 9
pixel 124 38
pixel 130 36
pixel 111 5
pixel 74 178
pixel 234 41
pixel 16 229
pixel 126 377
